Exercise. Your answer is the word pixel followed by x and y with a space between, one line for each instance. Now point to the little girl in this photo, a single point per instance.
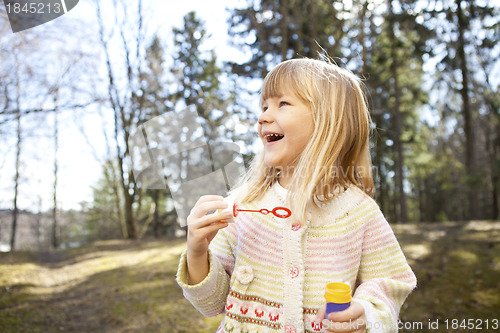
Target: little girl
pixel 268 273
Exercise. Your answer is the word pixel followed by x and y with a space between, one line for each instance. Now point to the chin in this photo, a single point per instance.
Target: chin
pixel 271 163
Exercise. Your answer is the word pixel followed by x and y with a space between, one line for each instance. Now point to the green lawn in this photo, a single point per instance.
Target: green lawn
pixel 129 286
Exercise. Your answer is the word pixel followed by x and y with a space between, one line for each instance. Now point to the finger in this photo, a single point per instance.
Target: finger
pixel 215 226
pixel 354 311
pixel 320 316
pixel 350 320
pixel 321 313
pixel 201 209
pixel 206 220
pixel 202 232
pixel 209 219
pixel 210 197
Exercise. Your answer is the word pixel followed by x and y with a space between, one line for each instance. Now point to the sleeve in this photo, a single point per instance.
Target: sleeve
pixel 385 279
pixel 209 296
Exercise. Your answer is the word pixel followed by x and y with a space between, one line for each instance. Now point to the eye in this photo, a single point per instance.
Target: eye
pixel 264 108
pixel 284 103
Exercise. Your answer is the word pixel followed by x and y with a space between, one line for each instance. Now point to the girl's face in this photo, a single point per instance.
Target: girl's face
pixel 285 128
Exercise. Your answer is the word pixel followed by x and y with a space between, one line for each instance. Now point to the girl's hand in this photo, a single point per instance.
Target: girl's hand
pixel 352 320
pixel 202 228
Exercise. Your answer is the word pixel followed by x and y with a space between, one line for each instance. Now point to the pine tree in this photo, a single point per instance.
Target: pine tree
pixel 466 40
pixel 392 44
pixel 277 30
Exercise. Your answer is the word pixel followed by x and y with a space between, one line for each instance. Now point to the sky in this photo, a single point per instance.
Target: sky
pixel 79 169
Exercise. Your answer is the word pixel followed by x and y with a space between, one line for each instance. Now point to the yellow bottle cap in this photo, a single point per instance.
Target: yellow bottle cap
pixel 337 292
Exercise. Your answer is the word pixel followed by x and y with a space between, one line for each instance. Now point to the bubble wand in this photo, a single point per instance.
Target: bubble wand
pixel 281 212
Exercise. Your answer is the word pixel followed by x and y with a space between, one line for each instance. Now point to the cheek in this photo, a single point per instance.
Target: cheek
pixel 303 140
pixel 297 144
pixel 304 132
pixel 309 129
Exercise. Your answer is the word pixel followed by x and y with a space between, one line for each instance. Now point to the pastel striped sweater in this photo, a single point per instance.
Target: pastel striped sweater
pixel 269 274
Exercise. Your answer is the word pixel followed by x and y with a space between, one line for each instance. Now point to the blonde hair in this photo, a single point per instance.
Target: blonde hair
pixel 337 155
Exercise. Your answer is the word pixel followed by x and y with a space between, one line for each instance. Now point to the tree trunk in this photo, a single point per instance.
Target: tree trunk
pixel 284 30
pixel 362 37
pixel 467 114
pixel 126 111
pixel 38 230
pixel 155 194
pixel 112 178
pixel 129 212
pixel 402 216
pixel 381 193
pixel 15 211
pixel 55 236
pixel 495 179
pixel 421 198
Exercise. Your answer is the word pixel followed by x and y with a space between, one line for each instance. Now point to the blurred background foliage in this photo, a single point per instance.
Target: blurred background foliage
pixel 430 67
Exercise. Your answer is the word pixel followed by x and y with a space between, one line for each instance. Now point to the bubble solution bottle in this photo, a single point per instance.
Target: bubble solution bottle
pixel 338 297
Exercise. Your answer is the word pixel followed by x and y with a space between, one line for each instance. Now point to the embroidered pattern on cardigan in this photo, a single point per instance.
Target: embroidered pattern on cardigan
pixel 254 299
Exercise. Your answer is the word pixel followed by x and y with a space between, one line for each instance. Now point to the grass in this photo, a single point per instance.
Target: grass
pixel 458 271
pixel 129 286
pixel 114 286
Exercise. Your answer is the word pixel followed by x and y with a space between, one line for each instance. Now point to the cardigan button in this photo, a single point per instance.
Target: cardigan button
pixel 296 226
pixel 293 272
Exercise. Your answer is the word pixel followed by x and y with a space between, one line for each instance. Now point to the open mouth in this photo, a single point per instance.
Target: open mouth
pixel 272 137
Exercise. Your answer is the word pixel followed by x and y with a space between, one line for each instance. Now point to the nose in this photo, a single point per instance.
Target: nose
pixel 265 117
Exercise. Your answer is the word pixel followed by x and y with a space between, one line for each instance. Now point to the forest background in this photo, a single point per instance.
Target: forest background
pixel 431 70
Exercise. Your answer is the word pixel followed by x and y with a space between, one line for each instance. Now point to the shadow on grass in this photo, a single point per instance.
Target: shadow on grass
pixel 128 286
pixel 458 268
pixel 62 257
pixel 139 296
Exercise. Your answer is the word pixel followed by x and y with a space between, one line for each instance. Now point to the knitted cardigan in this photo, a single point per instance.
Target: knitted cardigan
pixel 269 274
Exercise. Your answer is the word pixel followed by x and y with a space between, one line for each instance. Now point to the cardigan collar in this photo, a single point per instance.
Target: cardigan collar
pixel 334 208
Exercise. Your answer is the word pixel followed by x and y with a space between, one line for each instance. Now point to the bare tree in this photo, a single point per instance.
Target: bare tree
pixel 123 93
pixel 55 236
pixel 33 88
pixel 15 210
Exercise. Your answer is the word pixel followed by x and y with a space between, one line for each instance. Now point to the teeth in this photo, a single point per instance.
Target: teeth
pixel 272 134
pixel 271 137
